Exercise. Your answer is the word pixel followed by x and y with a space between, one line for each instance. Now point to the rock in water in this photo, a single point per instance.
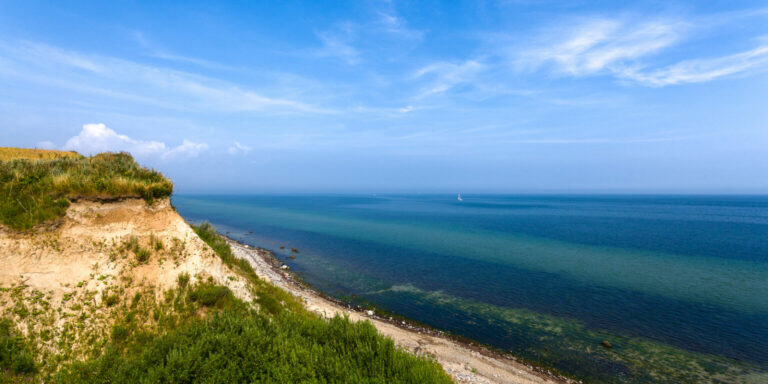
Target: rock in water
pixel 606 344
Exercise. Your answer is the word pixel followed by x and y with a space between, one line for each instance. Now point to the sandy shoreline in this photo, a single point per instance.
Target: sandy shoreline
pixel 465 363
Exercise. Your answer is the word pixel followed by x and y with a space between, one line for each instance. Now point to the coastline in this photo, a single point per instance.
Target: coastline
pixel 464 362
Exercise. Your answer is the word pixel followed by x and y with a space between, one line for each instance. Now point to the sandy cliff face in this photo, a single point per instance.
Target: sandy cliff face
pixel 64 277
pixel 92 241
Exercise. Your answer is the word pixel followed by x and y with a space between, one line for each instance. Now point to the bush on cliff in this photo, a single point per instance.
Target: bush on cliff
pixel 235 347
pixel 16 357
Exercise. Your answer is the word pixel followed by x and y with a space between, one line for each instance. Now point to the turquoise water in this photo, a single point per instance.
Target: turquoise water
pixel 679 285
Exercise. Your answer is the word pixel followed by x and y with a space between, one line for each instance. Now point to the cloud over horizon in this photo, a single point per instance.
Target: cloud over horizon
pixel 97 138
pixel 238 148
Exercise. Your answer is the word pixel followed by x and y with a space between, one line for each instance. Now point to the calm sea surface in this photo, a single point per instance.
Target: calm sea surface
pixel 677 284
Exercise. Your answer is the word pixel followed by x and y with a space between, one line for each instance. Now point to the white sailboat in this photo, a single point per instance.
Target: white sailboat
pixel 460 199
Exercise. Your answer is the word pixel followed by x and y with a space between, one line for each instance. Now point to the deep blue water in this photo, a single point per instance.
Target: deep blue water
pixel 523 273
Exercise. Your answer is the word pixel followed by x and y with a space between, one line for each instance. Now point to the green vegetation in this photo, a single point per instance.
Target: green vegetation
pixel 111 300
pixel 15 354
pixel 241 345
pixel 237 344
pixel 208 233
pixel 204 334
pixel 183 279
pixel 35 191
pixel 245 347
pixel 269 297
pixel 211 295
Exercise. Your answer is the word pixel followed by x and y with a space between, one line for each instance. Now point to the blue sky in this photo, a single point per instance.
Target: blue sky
pixel 387 96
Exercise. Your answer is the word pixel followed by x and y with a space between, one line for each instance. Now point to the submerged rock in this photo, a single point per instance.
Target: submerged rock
pixel 607 344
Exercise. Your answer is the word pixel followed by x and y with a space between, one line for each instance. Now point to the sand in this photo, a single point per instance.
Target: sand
pixel 79 253
pixel 464 363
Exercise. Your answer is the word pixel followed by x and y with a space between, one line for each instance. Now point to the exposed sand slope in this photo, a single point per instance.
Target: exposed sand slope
pixel 86 257
pixel 462 363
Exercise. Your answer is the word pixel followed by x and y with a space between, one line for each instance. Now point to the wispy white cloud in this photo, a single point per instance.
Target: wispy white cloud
pixel 351 40
pixel 187 148
pixel 444 76
pixel 391 23
pixel 238 148
pixel 701 70
pixel 158 86
pixel 338 44
pixel 600 45
pixel 154 51
pixel 629 49
pixel 96 138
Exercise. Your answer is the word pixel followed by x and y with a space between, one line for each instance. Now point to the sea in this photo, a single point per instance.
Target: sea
pixel 600 288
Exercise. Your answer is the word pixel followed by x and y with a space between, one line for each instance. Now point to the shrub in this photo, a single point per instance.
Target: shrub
pixel 111 300
pixel 244 347
pixel 119 333
pixel 131 244
pixel 208 233
pixel 269 304
pixel 210 295
pixel 15 355
pixel 142 255
pixel 156 243
pixel 183 279
pixel 276 297
pixel 136 299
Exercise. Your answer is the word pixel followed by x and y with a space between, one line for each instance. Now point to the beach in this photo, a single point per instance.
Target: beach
pixel 465 363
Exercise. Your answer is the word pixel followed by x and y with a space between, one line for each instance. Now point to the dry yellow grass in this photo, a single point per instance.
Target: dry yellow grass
pixel 8 153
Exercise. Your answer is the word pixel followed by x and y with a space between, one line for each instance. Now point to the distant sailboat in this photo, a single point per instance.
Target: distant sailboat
pixel 460 199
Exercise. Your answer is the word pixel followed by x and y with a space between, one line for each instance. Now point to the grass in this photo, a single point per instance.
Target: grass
pixel 183 279
pixel 211 295
pixel 8 153
pixel 38 190
pixel 111 300
pixel 235 344
pixel 16 357
pixel 270 298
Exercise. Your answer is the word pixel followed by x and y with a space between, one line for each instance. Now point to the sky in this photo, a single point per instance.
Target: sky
pixel 507 96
